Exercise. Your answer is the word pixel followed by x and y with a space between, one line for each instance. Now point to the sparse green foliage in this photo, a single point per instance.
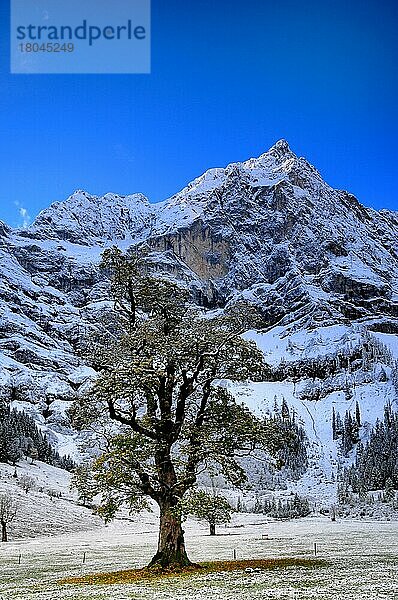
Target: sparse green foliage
pixel 83 480
pixel 212 508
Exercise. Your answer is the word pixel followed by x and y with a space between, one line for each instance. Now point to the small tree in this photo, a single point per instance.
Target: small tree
pixel 333 512
pixel 84 482
pixel 34 454
pixel 212 508
pixel 8 512
pixel 14 451
pixel 389 491
pixel 334 423
pixel 357 414
pixel 27 483
pixel 159 360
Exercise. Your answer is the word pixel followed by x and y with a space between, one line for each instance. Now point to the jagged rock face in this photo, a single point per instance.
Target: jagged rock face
pixel 269 231
pixel 203 251
pixel 276 225
pixel 4 229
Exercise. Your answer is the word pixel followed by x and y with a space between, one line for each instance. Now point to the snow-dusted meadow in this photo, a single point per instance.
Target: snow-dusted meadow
pixel 362 561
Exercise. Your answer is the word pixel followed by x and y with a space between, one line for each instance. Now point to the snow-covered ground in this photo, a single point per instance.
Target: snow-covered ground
pixel 53 535
pixel 50 508
pixel 362 561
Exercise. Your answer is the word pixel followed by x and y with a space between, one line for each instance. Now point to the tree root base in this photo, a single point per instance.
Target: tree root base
pixel 157 572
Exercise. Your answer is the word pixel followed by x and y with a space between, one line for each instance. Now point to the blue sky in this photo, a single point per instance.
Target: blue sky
pixel 228 79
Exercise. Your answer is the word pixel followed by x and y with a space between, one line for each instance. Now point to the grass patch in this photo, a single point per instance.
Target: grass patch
pixel 141 575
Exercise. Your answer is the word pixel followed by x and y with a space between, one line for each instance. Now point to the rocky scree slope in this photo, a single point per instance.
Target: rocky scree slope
pixel 268 231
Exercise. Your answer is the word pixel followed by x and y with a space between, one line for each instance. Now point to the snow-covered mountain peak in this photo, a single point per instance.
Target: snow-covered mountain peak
pixel 79 194
pixel 269 169
pixel 279 155
pixel 281 150
pixel 87 219
pixel 197 197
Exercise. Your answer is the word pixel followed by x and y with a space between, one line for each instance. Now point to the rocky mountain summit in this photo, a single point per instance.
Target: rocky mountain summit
pixel 320 268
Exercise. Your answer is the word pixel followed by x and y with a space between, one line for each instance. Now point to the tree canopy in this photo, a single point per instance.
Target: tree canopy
pixel 162 365
pixel 212 508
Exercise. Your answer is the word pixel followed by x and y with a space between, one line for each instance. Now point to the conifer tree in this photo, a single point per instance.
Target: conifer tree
pixel 334 431
pixel 357 414
pixel 389 491
pixel 19 436
pixel 376 461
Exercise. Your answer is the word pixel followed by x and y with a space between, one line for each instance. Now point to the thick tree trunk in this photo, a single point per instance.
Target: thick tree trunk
pixel 4 537
pixel 171 546
pixel 212 528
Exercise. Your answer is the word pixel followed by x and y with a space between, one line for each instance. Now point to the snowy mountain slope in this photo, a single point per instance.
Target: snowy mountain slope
pixel 320 268
pixel 271 230
pixel 369 385
pixel 55 507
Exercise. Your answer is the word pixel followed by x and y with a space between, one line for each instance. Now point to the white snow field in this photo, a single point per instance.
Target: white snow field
pixel 49 508
pixel 362 561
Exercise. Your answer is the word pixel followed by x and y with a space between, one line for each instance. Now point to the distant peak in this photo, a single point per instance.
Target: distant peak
pixel 108 196
pixel 282 145
pixel 280 148
pixel 80 193
pixel 278 154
